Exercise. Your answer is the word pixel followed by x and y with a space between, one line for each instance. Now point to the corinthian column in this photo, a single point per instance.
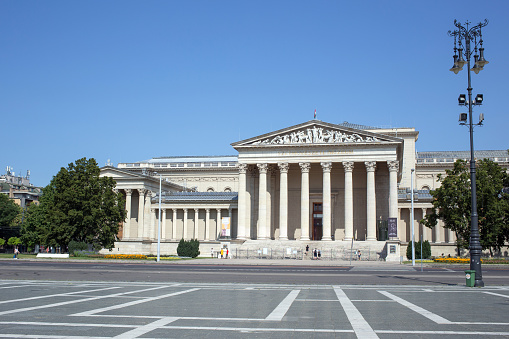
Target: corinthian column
pixel 147 223
pixel 141 212
pixel 304 201
pixel 127 224
pixel 371 200
pixel 207 224
pixel 283 201
pixel 174 225
pixel 163 224
pixel 348 167
pixel 185 231
pixel 262 202
pixel 242 222
pixel 327 214
pixel 196 222
pixel 393 189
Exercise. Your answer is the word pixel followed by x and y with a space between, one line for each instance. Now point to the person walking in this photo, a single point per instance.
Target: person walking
pixel 16 252
pixel 359 254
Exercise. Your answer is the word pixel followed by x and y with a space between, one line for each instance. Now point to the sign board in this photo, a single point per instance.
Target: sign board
pixel 392 249
pixel 392 225
pixel 225 227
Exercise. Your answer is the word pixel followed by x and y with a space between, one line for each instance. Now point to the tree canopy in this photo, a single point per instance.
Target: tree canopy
pixel 77 205
pixel 9 214
pixel 452 203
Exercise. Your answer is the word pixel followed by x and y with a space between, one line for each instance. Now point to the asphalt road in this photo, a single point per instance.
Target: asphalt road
pixel 164 272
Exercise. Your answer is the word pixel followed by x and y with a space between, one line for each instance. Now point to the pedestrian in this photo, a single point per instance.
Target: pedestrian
pixel 319 254
pixel 212 252
pixel 222 253
pixel 16 252
pixel 307 249
pixel 315 254
pixel 227 252
pixel 359 254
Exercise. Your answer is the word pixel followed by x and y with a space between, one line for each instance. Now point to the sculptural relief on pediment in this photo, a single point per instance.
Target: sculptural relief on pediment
pixel 315 135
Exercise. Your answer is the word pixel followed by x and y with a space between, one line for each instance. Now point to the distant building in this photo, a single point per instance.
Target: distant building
pixel 19 188
pixel 318 184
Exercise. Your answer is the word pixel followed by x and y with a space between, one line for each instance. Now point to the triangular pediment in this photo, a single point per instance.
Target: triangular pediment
pixel 315 132
pixel 119 173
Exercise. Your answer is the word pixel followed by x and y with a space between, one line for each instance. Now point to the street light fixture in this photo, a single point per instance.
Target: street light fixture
pixel 464 36
pixel 159 220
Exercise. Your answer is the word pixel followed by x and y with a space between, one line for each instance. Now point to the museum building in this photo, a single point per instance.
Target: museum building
pixel 328 186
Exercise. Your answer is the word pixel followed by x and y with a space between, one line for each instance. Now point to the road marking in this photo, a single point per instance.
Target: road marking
pixel 359 324
pixel 135 333
pixel 75 301
pixel 497 294
pixel 431 316
pixel 36 323
pixel 40 336
pixel 131 303
pixel 283 307
pixel 56 295
pixel 469 334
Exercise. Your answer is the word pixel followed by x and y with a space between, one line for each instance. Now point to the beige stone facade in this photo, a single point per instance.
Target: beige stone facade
pixel 314 183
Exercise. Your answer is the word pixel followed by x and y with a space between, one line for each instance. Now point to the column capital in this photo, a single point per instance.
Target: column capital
pixel 207 210
pixel 393 165
pixel 348 166
pixel 305 166
pixel 370 166
pixel 326 166
pixel 242 168
pixel 283 167
pixel 142 191
pixel 262 168
pixel 185 210
pixel 128 191
pixel 174 210
pixel 149 193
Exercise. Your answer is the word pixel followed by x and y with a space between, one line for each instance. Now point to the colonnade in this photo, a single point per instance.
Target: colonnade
pixel 265 195
pixel 438 234
pixel 147 220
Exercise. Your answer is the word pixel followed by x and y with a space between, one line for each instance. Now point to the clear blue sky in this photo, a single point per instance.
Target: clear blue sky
pixel 131 80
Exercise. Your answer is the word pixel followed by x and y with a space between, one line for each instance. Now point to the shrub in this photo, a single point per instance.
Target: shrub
pixel 188 248
pixel 14 241
pixel 426 250
pixel 75 246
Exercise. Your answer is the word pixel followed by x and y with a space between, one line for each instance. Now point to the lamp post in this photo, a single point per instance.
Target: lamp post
pixel 159 221
pixel 412 213
pixel 465 35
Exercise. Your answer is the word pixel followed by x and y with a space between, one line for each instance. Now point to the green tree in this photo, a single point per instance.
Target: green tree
pixel 78 205
pixel 9 213
pixel 452 204
pixel 35 228
pixel 2 242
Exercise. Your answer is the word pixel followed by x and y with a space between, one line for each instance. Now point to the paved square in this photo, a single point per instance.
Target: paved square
pixel 35 309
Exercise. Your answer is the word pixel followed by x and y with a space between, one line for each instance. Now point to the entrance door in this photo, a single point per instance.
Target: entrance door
pixel 317 221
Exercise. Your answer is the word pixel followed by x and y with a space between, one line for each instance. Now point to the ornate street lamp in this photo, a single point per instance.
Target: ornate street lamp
pixel 465 36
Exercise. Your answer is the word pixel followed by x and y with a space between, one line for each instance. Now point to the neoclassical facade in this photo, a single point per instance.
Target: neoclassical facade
pixel 328 185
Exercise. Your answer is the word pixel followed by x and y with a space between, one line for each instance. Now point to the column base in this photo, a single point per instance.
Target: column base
pixel 326 239
pixel 304 238
pixel 371 239
pixel 283 238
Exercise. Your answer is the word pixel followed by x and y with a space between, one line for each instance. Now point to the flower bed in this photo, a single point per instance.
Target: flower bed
pixel 453 260
pixel 125 256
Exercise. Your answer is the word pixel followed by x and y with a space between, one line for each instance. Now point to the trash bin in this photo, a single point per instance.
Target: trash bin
pixel 470 277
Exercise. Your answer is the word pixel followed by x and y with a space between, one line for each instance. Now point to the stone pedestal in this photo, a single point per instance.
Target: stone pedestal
pixel 392 250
